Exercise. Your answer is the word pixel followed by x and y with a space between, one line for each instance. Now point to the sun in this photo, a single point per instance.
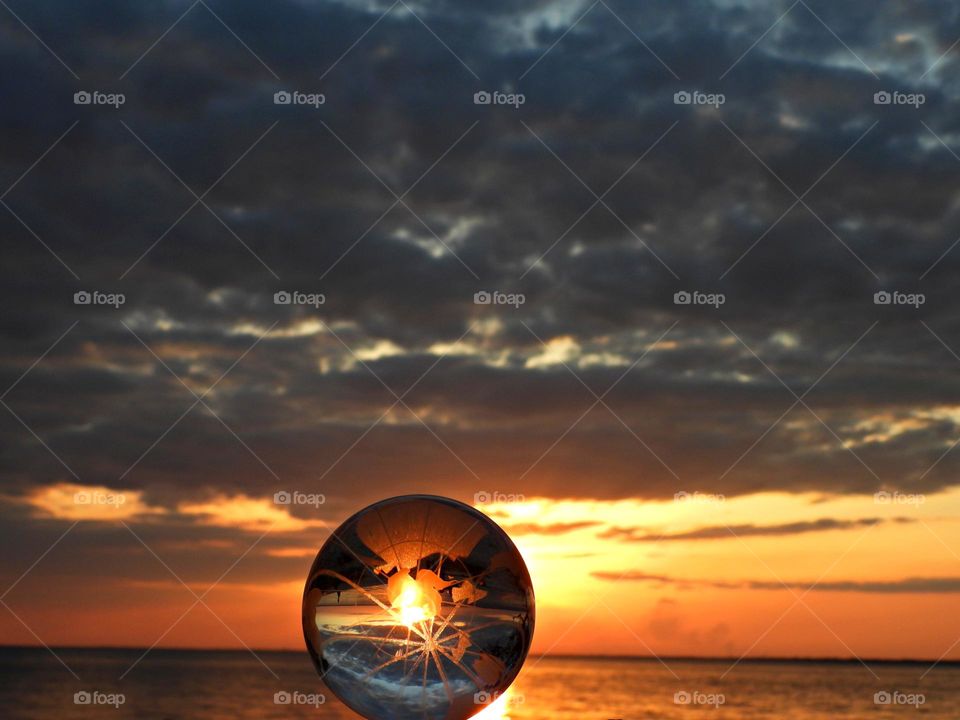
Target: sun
pixel 416 600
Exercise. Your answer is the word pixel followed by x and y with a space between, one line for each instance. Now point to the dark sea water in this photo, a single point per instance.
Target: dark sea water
pixel 34 685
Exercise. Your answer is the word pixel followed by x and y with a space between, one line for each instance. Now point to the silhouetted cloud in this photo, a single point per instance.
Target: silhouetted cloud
pixel 548 529
pixel 731 532
pixel 305 199
pixel 905 586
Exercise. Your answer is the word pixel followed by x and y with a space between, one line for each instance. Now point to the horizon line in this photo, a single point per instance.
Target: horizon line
pixel 558 656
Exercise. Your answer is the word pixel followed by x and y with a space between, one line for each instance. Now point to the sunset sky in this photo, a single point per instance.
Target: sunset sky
pixel 776 476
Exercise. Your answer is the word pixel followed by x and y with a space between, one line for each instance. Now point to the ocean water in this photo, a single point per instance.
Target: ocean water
pixel 167 684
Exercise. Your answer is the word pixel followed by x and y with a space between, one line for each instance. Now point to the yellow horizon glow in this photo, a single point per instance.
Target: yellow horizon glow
pixel 711 597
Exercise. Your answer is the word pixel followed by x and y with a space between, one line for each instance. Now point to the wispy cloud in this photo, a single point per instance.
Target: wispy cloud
pixel 731 532
pixel 922 586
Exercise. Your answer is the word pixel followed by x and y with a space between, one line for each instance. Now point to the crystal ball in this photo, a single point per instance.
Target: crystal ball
pixel 418 608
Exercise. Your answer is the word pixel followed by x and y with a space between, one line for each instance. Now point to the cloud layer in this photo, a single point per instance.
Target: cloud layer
pixel 616 210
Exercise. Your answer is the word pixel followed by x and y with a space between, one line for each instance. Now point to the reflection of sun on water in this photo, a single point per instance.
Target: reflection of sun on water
pixel 499 709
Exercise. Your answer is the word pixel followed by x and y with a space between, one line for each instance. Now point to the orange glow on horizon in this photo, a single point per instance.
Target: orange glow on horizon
pixel 611 577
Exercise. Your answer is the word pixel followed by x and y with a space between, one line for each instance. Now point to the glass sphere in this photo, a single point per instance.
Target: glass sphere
pixel 418 608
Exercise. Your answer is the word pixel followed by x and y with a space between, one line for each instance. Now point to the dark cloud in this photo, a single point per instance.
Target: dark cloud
pixel 310 205
pixel 548 529
pixel 921 586
pixel 724 532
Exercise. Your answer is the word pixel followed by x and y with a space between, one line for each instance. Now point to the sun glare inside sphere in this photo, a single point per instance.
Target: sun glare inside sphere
pixel 418 608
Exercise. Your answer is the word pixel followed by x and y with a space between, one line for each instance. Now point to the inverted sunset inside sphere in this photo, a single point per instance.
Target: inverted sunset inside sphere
pixel 418 607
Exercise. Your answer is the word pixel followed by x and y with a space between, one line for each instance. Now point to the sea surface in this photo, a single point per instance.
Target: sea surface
pixel 167 684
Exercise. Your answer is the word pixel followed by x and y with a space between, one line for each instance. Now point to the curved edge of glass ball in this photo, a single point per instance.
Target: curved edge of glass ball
pixel 481 634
